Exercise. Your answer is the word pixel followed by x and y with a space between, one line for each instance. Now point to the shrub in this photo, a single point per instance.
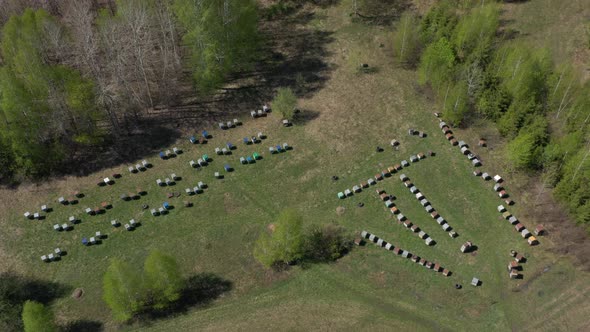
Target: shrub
pixel 285 102
pixel 285 245
pixel 37 318
pixel 327 243
pixel 264 250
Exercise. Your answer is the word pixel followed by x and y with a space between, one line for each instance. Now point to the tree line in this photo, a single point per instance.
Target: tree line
pixel 475 70
pixel 73 73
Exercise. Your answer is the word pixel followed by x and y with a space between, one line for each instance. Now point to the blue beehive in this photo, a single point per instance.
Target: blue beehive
pixel 205 134
pixel 229 145
pixel 249 159
pixel 227 168
pixel 166 206
pixel 279 148
pixel 84 241
pixel 162 155
pixel 193 139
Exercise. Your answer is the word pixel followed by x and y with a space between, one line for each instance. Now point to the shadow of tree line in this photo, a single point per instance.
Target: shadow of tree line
pixel 200 291
pixel 291 55
pixel 16 289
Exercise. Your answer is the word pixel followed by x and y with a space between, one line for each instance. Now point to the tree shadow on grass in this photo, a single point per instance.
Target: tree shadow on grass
pixel 83 326
pixel 16 289
pixel 304 116
pixel 200 291
pixel 292 55
pixel 203 288
pixel 148 137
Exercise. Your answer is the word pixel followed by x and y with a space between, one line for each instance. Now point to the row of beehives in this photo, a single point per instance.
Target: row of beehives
pixel 77 195
pixel 382 175
pixel 388 200
pixel 427 205
pixel 520 228
pixel 461 144
pixel 497 186
pixel 405 254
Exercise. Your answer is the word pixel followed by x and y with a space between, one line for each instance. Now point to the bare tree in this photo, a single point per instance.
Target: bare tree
pixel 169 52
pixel 135 22
pixel 80 15
pixel 141 43
pixel 474 78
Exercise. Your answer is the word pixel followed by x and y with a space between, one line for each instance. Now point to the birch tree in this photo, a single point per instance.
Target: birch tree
pixel 406 39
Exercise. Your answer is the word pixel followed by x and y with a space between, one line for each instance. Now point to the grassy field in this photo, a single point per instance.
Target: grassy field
pixel 368 289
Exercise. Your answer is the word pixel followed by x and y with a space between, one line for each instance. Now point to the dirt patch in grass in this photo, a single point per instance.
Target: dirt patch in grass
pixel 340 210
pixel 271 228
pixel 78 293
pixel 273 275
pixel 230 204
pixel 378 278
pixel 563 236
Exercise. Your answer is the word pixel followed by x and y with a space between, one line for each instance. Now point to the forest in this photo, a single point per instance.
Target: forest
pixel 79 74
pixel 477 70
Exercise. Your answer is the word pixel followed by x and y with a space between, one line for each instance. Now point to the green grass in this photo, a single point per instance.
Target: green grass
pixel 368 289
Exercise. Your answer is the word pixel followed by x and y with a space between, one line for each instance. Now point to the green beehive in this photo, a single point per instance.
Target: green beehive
pixel 205 157
pixel 341 195
pixel 256 156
